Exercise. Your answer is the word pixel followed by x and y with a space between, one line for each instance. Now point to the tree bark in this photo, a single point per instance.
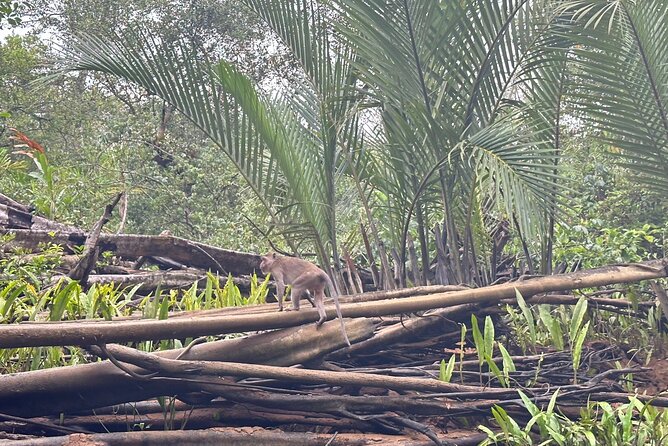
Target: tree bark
pixel 21 218
pixel 83 268
pixel 132 246
pixel 246 436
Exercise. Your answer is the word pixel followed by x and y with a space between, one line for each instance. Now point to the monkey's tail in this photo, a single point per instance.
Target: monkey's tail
pixel 338 313
pixel 335 295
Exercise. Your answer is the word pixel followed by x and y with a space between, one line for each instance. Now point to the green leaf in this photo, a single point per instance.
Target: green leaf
pixel 553 326
pixel 528 316
pixel 164 307
pixel 62 299
pixel 577 347
pixel 478 339
pixel 578 316
pixel 489 337
pixel 508 363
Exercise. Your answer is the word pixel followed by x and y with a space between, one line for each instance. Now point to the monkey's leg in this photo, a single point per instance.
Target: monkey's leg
pixel 295 295
pixel 280 293
pixel 307 296
pixel 319 299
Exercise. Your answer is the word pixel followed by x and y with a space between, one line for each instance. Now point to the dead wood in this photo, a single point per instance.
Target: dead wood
pixel 180 368
pixel 149 281
pixel 91 251
pixel 43 334
pixel 130 246
pixel 408 329
pixel 4 199
pixel 88 386
pixel 94 332
pixel 197 418
pixel 336 404
pixel 596 302
pixel 250 436
pixel 364 297
pixel 48 425
pixel 17 216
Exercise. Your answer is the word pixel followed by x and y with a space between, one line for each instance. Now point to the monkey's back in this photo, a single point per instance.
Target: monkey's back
pixel 294 268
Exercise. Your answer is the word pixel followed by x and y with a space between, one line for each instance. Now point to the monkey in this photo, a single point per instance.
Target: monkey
pixel 304 277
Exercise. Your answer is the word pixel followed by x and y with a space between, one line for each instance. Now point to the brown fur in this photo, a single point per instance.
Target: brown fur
pixel 303 276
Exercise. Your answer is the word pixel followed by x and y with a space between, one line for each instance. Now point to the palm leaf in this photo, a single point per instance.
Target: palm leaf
pixel 623 71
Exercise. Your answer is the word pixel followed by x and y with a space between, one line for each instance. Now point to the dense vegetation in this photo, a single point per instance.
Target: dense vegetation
pixel 469 141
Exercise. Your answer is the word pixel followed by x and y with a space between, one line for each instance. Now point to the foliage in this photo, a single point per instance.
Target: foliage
pixel 100 141
pixel 35 269
pixel 622 59
pixel 484 343
pixel 633 423
pixel 445 116
pixel 590 245
pixel 10 12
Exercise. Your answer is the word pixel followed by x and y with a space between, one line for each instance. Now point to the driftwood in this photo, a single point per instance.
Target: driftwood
pixel 72 333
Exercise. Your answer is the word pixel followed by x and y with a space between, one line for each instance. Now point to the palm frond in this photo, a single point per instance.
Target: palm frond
pixel 623 71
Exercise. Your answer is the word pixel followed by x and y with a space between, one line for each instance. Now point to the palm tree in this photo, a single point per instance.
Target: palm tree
pixel 440 112
pixel 444 73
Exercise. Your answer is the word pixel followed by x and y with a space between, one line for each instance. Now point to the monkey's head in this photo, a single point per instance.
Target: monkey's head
pixel 267 261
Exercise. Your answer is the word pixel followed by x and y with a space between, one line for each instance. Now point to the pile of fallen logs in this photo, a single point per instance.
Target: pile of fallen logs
pixel 286 381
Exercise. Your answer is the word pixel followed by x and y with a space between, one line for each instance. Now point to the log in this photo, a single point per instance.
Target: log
pixel 197 418
pixel 4 199
pixel 250 436
pixel 133 246
pixel 407 329
pixel 74 388
pixel 80 333
pixel 19 217
pixel 181 368
pixel 150 280
pixel 14 218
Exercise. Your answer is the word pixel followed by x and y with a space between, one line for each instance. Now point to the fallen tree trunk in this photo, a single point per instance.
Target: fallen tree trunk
pixel 19 217
pixel 149 281
pixel 172 367
pixel 133 246
pixel 248 436
pixel 200 418
pixel 73 333
pixel 74 388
